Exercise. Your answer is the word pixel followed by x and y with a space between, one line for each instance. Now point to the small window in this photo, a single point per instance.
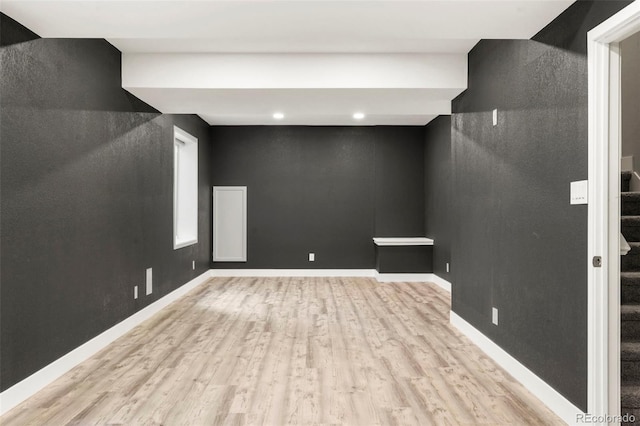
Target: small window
pixel 185 189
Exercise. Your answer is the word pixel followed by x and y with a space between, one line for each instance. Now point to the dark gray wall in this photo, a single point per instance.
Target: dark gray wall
pixel 12 32
pixel 517 243
pixel 399 177
pixel 327 190
pixel 438 192
pixel 86 198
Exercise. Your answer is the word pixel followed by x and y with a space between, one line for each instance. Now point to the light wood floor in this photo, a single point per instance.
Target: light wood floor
pixel 299 351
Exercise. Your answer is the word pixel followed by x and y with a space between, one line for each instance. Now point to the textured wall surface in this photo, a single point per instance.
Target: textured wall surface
pixel 438 192
pixel 327 190
pixel 87 198
pixel 399 176
pixel 517 243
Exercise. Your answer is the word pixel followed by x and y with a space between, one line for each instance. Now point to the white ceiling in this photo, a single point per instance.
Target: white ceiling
pixel 237 62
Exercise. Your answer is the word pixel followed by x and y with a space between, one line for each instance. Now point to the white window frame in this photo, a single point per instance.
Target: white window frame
pixel 185 189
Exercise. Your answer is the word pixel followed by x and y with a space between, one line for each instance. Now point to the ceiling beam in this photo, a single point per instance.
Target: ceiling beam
pixel 294 71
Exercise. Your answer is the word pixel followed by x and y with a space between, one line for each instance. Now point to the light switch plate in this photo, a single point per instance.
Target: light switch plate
pixel 579 192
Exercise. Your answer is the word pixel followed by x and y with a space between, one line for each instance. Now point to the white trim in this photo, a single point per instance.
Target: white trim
pixel 624 246
pixel 429 278
pixel 184 243
pixel 603 315
pixel 32 384
pixel 183 136
pixel 402 241
pixel 401 277
pixel 538 387
pixel 440 282
pixel 614 232
pixel 293 273
pixel 183 144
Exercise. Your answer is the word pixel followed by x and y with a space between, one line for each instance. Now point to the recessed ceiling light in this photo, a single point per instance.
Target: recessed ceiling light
pixel 358 115
pixel 278 115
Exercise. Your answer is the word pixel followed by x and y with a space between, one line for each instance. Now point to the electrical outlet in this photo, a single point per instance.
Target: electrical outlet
pixel 149 281
pixel 494 316
pixel 312 257
pixel 495 117
pixel 193 265
pixel 447 267
pixel 135 291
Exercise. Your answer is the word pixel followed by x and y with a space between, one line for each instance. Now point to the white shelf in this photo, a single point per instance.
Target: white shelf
pixel 403 241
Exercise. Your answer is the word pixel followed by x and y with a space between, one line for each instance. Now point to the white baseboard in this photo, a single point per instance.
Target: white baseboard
pixel 32 384
pixel 292 272
pixel 412 278
pixel 538 387
pixel 407 278
pixel 440 282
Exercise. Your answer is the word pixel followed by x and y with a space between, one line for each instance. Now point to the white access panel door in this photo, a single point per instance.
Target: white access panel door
pixel 229 223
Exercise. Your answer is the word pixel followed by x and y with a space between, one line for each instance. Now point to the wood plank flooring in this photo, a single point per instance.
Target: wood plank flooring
pixel 290 351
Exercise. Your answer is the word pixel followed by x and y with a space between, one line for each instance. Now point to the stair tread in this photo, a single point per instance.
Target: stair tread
pixel 630 227
pixel 630 395
pixel 630 280
pixel 625 181
pixel 629 203
pixel 630 351
pixel 630 387
pixel 630 312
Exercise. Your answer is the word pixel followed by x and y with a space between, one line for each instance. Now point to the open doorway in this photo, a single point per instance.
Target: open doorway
pixel 604 242
pixel 630 226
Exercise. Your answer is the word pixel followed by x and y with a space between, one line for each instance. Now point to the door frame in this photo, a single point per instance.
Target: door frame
pixel 603 377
